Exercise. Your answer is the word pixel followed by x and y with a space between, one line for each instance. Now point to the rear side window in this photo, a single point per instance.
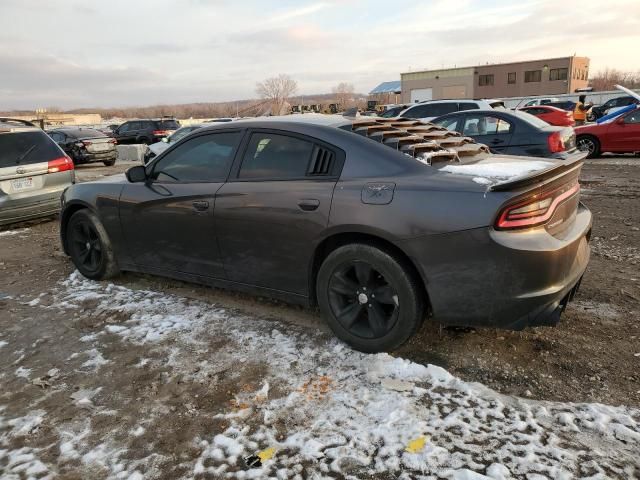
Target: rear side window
pixel 23 148
pixel 485 125
pixel 273 156
pixel 206 158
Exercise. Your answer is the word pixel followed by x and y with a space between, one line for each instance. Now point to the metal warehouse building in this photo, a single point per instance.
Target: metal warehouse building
pixel 549 76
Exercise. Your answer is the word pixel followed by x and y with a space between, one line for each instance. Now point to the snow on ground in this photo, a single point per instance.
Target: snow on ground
pixel 323 409
pixel 488 172
pixel 10 233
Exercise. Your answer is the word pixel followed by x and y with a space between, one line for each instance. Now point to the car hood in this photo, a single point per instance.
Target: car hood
pixel 118 178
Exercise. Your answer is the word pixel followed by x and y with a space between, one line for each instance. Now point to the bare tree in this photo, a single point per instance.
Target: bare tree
pixel 607 78
pixel 277 90
pixel 344 94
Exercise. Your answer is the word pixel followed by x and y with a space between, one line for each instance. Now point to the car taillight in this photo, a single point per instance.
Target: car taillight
pixel 61 164
pixel 160 132
pixel 556 142
pixel 535 210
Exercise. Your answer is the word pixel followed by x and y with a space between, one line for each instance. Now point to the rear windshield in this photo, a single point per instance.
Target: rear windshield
pixel 168 125
pixel 21 148
pixel 86 133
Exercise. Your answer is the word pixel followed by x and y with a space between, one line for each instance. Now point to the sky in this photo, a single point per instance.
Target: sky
pixel 73 53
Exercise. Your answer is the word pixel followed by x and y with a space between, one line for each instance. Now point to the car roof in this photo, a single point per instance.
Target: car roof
pixel 298 118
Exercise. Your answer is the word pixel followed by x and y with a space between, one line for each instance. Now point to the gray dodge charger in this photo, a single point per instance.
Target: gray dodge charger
pixel 379 222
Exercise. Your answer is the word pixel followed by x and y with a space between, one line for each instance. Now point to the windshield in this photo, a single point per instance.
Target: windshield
pixel 392 112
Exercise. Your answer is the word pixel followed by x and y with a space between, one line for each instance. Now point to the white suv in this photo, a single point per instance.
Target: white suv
pixel 431 109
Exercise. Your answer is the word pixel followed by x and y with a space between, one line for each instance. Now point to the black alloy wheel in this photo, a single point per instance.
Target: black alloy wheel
pixel 362 300
pixel 86 249
pixel 89 246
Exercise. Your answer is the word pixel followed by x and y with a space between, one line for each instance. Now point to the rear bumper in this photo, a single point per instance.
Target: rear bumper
pixel 40 206
pixel 502 279
pixel 96 157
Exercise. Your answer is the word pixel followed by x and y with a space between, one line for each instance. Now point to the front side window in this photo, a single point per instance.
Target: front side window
pixel 532 76
pixel 206 158
pixel 485 125
pixel 274 156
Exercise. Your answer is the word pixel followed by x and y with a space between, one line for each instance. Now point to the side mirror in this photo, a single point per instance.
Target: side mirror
pixel 136 174
pixel 165 140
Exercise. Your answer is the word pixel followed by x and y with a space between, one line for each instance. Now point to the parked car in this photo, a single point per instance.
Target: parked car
pixel 86 145
pixel 551 115
pixel 349 215
pixel 513 132
pixel 33 172
pixel 427 111
pixel 159 147
pixel 620 135
pixel 600 111
pixel 568 105
pixel 540 101
pixel 145 131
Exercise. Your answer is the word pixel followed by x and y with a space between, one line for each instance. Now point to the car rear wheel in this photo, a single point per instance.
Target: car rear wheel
pixel 89 246
pixel 369 298
pixel 589 144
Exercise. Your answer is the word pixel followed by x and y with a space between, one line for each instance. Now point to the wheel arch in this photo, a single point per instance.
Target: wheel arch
pixel 339 239
pixel 65 215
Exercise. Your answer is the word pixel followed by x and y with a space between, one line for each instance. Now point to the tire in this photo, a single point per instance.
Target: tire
pixel 589 144
pixel 347 282
pixel 109 163
pixel 97 262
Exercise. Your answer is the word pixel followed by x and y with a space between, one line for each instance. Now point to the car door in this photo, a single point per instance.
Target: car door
pixel 623 134
pixel 168 220
pixel 270 215
pixel 492 130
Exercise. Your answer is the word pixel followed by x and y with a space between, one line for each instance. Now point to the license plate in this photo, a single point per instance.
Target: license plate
pixel 21 184
pixel 101 147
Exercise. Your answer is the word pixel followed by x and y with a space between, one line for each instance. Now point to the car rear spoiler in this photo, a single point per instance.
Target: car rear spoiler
pixel 573 164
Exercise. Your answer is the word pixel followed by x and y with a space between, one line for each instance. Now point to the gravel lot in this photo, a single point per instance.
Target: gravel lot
pixel 155 378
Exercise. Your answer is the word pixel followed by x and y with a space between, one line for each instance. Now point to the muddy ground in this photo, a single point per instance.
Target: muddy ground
pixel 593 355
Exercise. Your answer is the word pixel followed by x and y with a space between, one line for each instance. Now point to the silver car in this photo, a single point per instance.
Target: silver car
pixel 34 171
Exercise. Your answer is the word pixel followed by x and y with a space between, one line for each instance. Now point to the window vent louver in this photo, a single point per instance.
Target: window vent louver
pixel 321 162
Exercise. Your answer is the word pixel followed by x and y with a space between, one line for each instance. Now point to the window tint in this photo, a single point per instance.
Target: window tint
pixel 484 80
pixel 511 77
pixel 57 137
pixel 468 106
pixel 270 155
pixel 206 158
pixel 558 74
pixel 448 123
pixel 485 125
pixel 431 110
pixel 27 147
pixel 633 117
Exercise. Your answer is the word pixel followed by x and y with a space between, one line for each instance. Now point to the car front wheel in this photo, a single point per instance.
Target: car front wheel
pixel 89 246
pixel 370 299
pixel 590 145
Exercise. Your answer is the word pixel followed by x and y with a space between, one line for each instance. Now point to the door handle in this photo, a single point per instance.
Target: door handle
pixel 309 204
pixel 200 206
